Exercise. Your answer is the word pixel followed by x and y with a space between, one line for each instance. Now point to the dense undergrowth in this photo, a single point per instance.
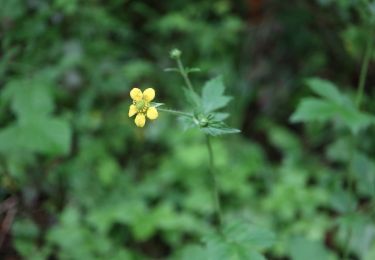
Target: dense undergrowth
pixel 80 181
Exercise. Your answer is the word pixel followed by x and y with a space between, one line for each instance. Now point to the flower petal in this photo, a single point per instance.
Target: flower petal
pixel 149 94
pixel 140 120
pixel 132 110
pixel 152 113
pixel 136 94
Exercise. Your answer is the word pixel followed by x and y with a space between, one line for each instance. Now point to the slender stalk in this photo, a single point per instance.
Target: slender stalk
pixel 215 189
pixel 175 112
pixel 364 68
pixel 358 101
pixel 184 74
pixel 347 244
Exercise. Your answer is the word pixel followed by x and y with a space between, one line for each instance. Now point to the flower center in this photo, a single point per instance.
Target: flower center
pixel 141 105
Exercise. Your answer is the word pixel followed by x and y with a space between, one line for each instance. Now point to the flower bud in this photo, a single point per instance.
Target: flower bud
pixel 175 53
pixel 203 122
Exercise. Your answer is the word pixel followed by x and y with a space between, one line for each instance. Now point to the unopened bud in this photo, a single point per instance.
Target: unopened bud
pixel 175 53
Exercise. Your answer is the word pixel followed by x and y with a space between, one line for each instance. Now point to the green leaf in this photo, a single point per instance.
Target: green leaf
pixel 42 135
pixel 187 122
pixel 219 128
pixel 254 236
pixel 223 249
pixel 29 98
pixel 154 104
pixel 193 100
pixel 212 95
pixel 313 109
pixel 220 116
pixel 303 249
pixel 325 89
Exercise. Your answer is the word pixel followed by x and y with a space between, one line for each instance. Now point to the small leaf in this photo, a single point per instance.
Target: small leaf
pixel 171 70
pixel 154 104
pixel 193 70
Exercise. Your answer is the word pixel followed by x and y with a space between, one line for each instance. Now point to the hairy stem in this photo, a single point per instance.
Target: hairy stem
pixel 215 189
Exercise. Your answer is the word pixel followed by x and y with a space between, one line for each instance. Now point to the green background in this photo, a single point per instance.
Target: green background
pixel 80 181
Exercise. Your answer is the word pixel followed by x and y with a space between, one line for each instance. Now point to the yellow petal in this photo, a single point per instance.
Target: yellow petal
pixel 136 94
pixel 132 110
pixel 140 120
pixel 152 113
pixel 149 94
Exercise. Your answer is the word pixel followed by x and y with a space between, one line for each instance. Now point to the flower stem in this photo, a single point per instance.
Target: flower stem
pixel 184 74
pixel 215 189
pixel 175 112
pixel 364 68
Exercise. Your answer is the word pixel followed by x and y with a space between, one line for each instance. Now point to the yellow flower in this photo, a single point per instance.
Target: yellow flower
pixel 141 106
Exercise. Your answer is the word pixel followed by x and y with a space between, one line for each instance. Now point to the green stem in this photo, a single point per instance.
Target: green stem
pixel 360 90
pixel 175 112
pixel 184 74
pixel 347 244
pixel 364 68
pixel 215 189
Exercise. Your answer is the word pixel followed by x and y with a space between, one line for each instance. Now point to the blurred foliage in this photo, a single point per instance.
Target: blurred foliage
pixel 88 185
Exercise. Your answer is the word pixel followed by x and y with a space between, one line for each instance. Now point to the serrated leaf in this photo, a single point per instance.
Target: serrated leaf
pixel 212 95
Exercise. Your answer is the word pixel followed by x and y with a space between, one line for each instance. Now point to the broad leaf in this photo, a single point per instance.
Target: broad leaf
pixel 303 249
pixel 212 95
pixel 325 89
pixel 29 98
pixel 42 135
pixel 254 236
pixel 313 109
